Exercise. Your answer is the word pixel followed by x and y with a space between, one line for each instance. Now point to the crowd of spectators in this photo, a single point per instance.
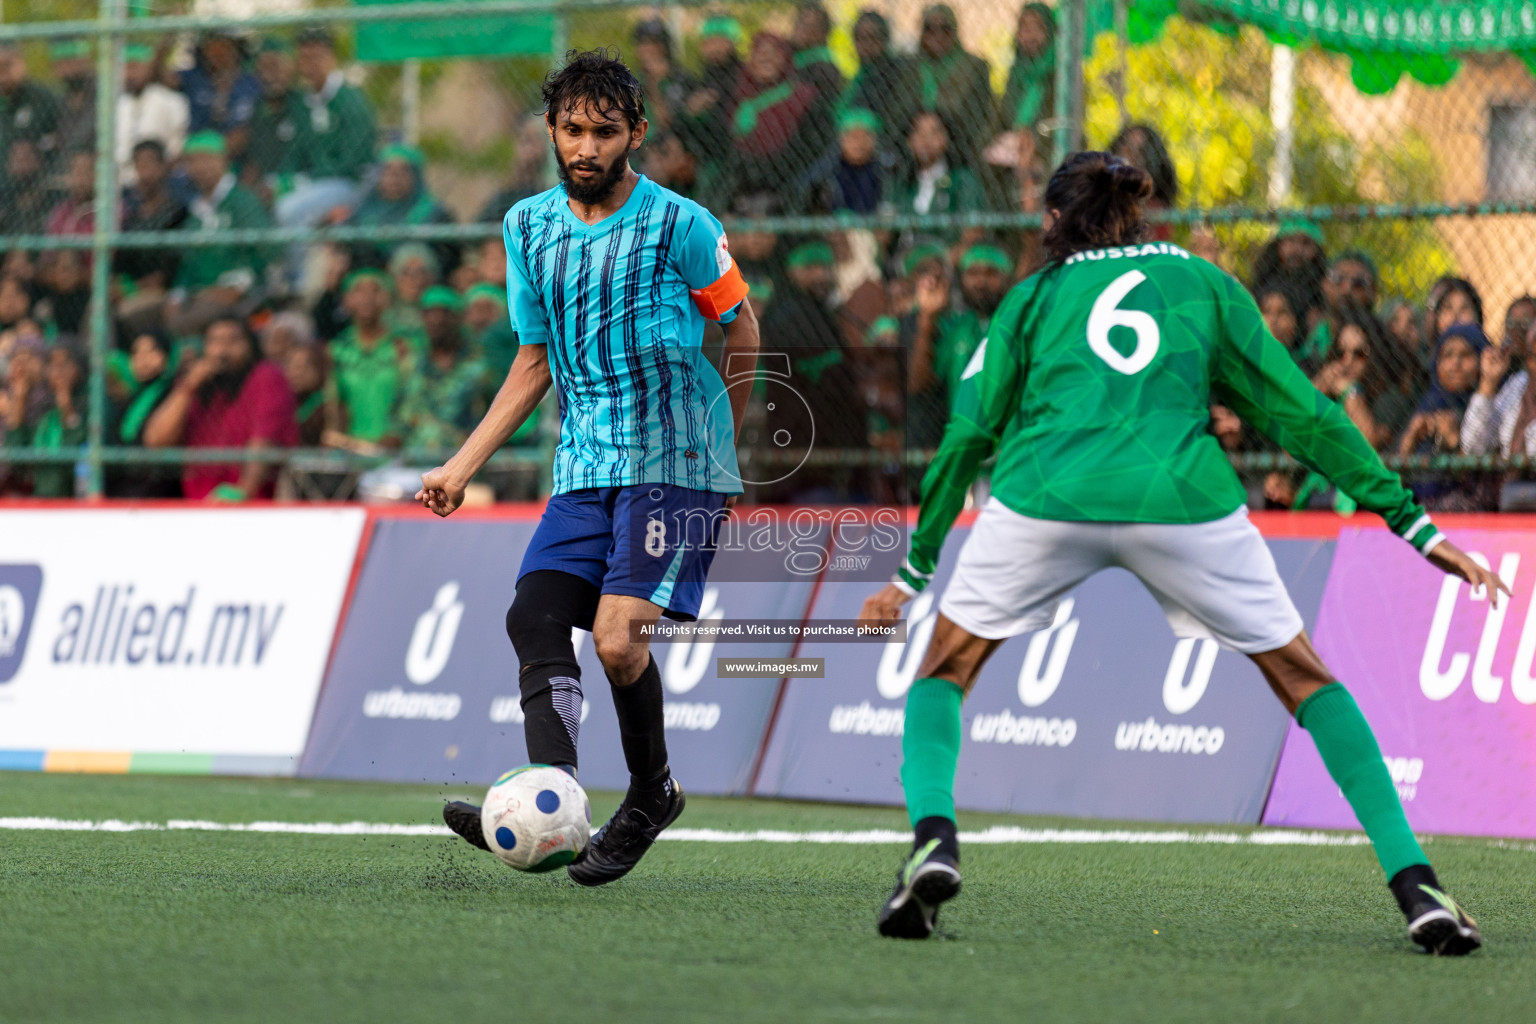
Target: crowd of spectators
pixel 1417 380
pixel 367 347
pixel 381 347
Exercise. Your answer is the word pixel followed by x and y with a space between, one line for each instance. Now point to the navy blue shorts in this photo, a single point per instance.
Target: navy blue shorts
pixel 652 541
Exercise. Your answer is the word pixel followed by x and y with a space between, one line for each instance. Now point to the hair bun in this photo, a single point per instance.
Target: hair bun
pixel 1131 179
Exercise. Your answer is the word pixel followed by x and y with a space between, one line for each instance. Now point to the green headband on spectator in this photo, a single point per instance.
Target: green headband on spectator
pixel 440 296
pixel 205 142
pixel 884 328
pixel 66 49
pixel 1300 226
pixel 139 52
pixel 485 291
pixel 275 44
pixel 366 274
pixel 811 254
pixel 400 151
pixel 858 117
pixel 720 25
pixel 987 256
pixel 920 254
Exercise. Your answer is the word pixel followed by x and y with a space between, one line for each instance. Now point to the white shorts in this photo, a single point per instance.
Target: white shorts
pixel 1215 579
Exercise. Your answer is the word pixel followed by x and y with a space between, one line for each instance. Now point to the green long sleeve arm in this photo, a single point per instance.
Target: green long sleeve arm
pixel 985 401
pixel 1258 379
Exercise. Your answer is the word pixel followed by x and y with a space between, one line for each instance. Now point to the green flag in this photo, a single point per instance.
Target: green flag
pixel 492 35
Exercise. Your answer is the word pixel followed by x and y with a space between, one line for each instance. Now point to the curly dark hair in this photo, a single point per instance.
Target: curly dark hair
pixel 1097 198
pixel 595 78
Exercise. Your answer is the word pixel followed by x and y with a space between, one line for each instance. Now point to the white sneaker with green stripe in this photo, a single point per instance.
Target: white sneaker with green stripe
pixel 928 878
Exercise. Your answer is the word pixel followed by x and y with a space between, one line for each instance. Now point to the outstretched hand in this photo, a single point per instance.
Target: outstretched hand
pixel 1450 559
pixel 883 608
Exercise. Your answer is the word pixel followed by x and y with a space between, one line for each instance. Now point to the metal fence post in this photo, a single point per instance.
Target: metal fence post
pixel 1070 30
pixel 109 65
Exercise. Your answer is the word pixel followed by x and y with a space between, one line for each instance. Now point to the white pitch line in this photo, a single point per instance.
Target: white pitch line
pixel 1010 834
pixel 322 828
pixel 996 835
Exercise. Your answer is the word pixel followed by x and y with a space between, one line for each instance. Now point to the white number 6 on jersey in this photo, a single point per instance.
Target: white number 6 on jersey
pixel 1106 314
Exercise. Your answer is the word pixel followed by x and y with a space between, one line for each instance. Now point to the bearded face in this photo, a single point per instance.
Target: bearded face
pixel 592 152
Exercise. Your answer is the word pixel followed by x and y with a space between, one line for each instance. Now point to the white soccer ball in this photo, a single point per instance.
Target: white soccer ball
pixel 536 818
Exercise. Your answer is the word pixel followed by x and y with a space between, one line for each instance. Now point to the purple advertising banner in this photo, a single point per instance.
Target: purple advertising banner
pixel 423 686
pixel 1445 679
pixel 1103 714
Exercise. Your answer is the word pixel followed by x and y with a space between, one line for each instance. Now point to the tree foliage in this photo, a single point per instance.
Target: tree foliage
pixel 1207 94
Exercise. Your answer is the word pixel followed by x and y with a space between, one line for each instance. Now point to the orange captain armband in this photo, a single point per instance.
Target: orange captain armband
pixel 722 296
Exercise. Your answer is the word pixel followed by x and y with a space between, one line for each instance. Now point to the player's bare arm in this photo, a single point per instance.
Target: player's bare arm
pixel 741 345
pixel 1453 561
pixel 884 606
pixel 442 489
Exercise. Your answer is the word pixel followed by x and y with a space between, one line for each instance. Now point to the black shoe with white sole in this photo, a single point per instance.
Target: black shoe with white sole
pixel 1435 921
pixel 464 819
pixel 929 878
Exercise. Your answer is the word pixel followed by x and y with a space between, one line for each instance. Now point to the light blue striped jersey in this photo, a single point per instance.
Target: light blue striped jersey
pixel 639 403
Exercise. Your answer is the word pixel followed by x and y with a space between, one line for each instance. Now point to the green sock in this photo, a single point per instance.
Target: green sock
pixel 1349 751
pixel 930 748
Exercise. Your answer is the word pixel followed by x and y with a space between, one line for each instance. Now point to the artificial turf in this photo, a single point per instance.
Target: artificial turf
pixel 200 926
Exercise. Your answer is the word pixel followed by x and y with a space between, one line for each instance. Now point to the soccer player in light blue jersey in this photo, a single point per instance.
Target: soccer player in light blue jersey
pixel 610 281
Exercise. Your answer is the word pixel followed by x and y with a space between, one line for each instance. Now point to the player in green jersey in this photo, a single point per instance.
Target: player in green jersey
pixel 1093 388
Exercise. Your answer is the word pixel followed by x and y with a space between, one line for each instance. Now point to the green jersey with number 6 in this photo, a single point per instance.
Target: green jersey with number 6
pixel 1094 386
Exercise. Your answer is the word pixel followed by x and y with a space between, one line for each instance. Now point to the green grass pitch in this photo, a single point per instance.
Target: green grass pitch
pixel 218 926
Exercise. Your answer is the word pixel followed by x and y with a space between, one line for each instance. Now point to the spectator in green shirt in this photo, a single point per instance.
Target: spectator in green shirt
pixel 336 136
pixel 955 84
pixel 272 154
pixel 28 109
pixel 813 63
pixel 667 85
pixel 445 397
pixel 943 337
pixel 488 329
pixel 934 182
pixel 400 197
pixel 75 68
pixel 886 82
pixel 63 425
pixel 152 374
pixel 1030 95
pixel 706 117
pixel 216 277
pixel 985 273
pixel 492 339
pixel 370 364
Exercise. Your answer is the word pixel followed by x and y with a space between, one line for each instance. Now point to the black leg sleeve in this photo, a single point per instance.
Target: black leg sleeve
pixel 548 605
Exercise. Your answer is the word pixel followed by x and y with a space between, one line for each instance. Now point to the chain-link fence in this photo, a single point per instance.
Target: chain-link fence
pixel 298 210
